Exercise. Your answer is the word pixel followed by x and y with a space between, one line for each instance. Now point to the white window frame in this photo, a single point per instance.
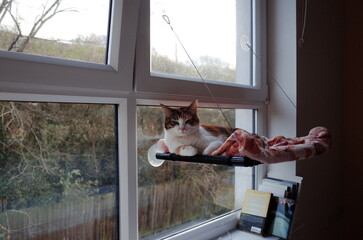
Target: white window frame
pixel 127 83
pixel 151 88
pixel 225 223
pixel 123 137
pixel 48 75
pixel 174 85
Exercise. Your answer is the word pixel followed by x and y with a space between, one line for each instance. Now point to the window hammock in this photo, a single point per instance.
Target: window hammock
pixel 244 149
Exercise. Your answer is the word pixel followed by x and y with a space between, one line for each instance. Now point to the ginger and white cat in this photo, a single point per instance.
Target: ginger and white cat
pixel 185 136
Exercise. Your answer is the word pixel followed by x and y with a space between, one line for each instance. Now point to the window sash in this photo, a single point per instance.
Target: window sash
pixel 124 135
pixel 221 224
pixel 146 82
pixel 39 74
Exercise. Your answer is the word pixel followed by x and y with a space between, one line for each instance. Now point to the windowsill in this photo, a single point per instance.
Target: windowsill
pixel 238 235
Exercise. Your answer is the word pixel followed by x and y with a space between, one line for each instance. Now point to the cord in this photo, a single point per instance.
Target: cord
pixel 301 39
pixel 167 20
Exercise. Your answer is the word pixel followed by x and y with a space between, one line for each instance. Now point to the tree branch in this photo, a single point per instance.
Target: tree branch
pixel 46 15
pixel 4 7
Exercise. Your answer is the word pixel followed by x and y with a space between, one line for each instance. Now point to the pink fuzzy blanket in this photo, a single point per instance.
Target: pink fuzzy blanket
pixel 275 150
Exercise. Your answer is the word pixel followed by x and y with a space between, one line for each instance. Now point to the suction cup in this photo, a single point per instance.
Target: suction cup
pixel 244 42
pixel 151 156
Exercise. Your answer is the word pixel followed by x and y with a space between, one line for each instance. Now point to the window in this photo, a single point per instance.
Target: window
pixel 75 30
pixel 214 39
pixel 163 69
pixel 131 88
pixel 247 82
pixel 179 196
pixel 58 171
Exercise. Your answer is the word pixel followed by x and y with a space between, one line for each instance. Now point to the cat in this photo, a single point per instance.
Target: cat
pixel 184 135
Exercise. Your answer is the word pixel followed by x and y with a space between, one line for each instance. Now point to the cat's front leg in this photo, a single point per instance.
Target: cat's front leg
pixel 186 151
pixel 162 144
pixel 212 147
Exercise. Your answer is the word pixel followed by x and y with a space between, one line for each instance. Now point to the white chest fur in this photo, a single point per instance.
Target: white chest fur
pixel 200 139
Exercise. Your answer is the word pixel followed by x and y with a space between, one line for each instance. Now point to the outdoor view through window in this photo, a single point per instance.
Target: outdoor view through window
pixel 68 29
pixel 58 171
pixel 177 196
pixel 214 33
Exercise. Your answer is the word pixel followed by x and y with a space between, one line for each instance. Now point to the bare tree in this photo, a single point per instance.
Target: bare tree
pixel 5 6
pixel 21 41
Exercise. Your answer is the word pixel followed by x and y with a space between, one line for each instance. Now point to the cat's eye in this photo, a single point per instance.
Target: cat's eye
pixel 189 121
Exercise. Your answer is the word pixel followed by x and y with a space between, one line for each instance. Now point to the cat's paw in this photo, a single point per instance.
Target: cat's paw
pixel 187 151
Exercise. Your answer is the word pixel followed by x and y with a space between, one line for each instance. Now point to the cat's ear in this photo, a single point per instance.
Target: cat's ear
pixel 193 107
pixel 167 110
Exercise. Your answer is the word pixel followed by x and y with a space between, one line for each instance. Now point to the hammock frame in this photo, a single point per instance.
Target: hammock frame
pixel 235 161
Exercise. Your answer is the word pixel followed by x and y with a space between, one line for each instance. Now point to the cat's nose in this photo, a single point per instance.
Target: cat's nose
pixel 182 129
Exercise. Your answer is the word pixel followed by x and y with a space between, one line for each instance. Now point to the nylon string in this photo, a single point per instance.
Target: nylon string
pixel 301 40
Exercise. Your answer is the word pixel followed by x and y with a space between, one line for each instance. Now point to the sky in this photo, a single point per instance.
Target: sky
pixel 90 16
pixel 202 32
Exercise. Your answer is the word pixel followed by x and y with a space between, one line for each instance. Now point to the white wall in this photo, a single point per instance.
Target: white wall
pixel 281 74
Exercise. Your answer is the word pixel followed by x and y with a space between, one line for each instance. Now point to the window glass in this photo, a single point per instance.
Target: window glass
pixel 214 33
pixel 67 29
pixel 176 196
pixel 58 171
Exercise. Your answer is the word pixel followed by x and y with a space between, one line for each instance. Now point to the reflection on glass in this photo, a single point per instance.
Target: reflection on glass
pixel 176 196
pixel 209 30
pixel 58 171
pixel 67 29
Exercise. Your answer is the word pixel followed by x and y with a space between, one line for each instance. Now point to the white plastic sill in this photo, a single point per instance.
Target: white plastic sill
pixel 240 235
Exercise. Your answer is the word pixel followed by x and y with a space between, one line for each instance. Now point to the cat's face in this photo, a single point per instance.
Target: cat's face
pixel 181 121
